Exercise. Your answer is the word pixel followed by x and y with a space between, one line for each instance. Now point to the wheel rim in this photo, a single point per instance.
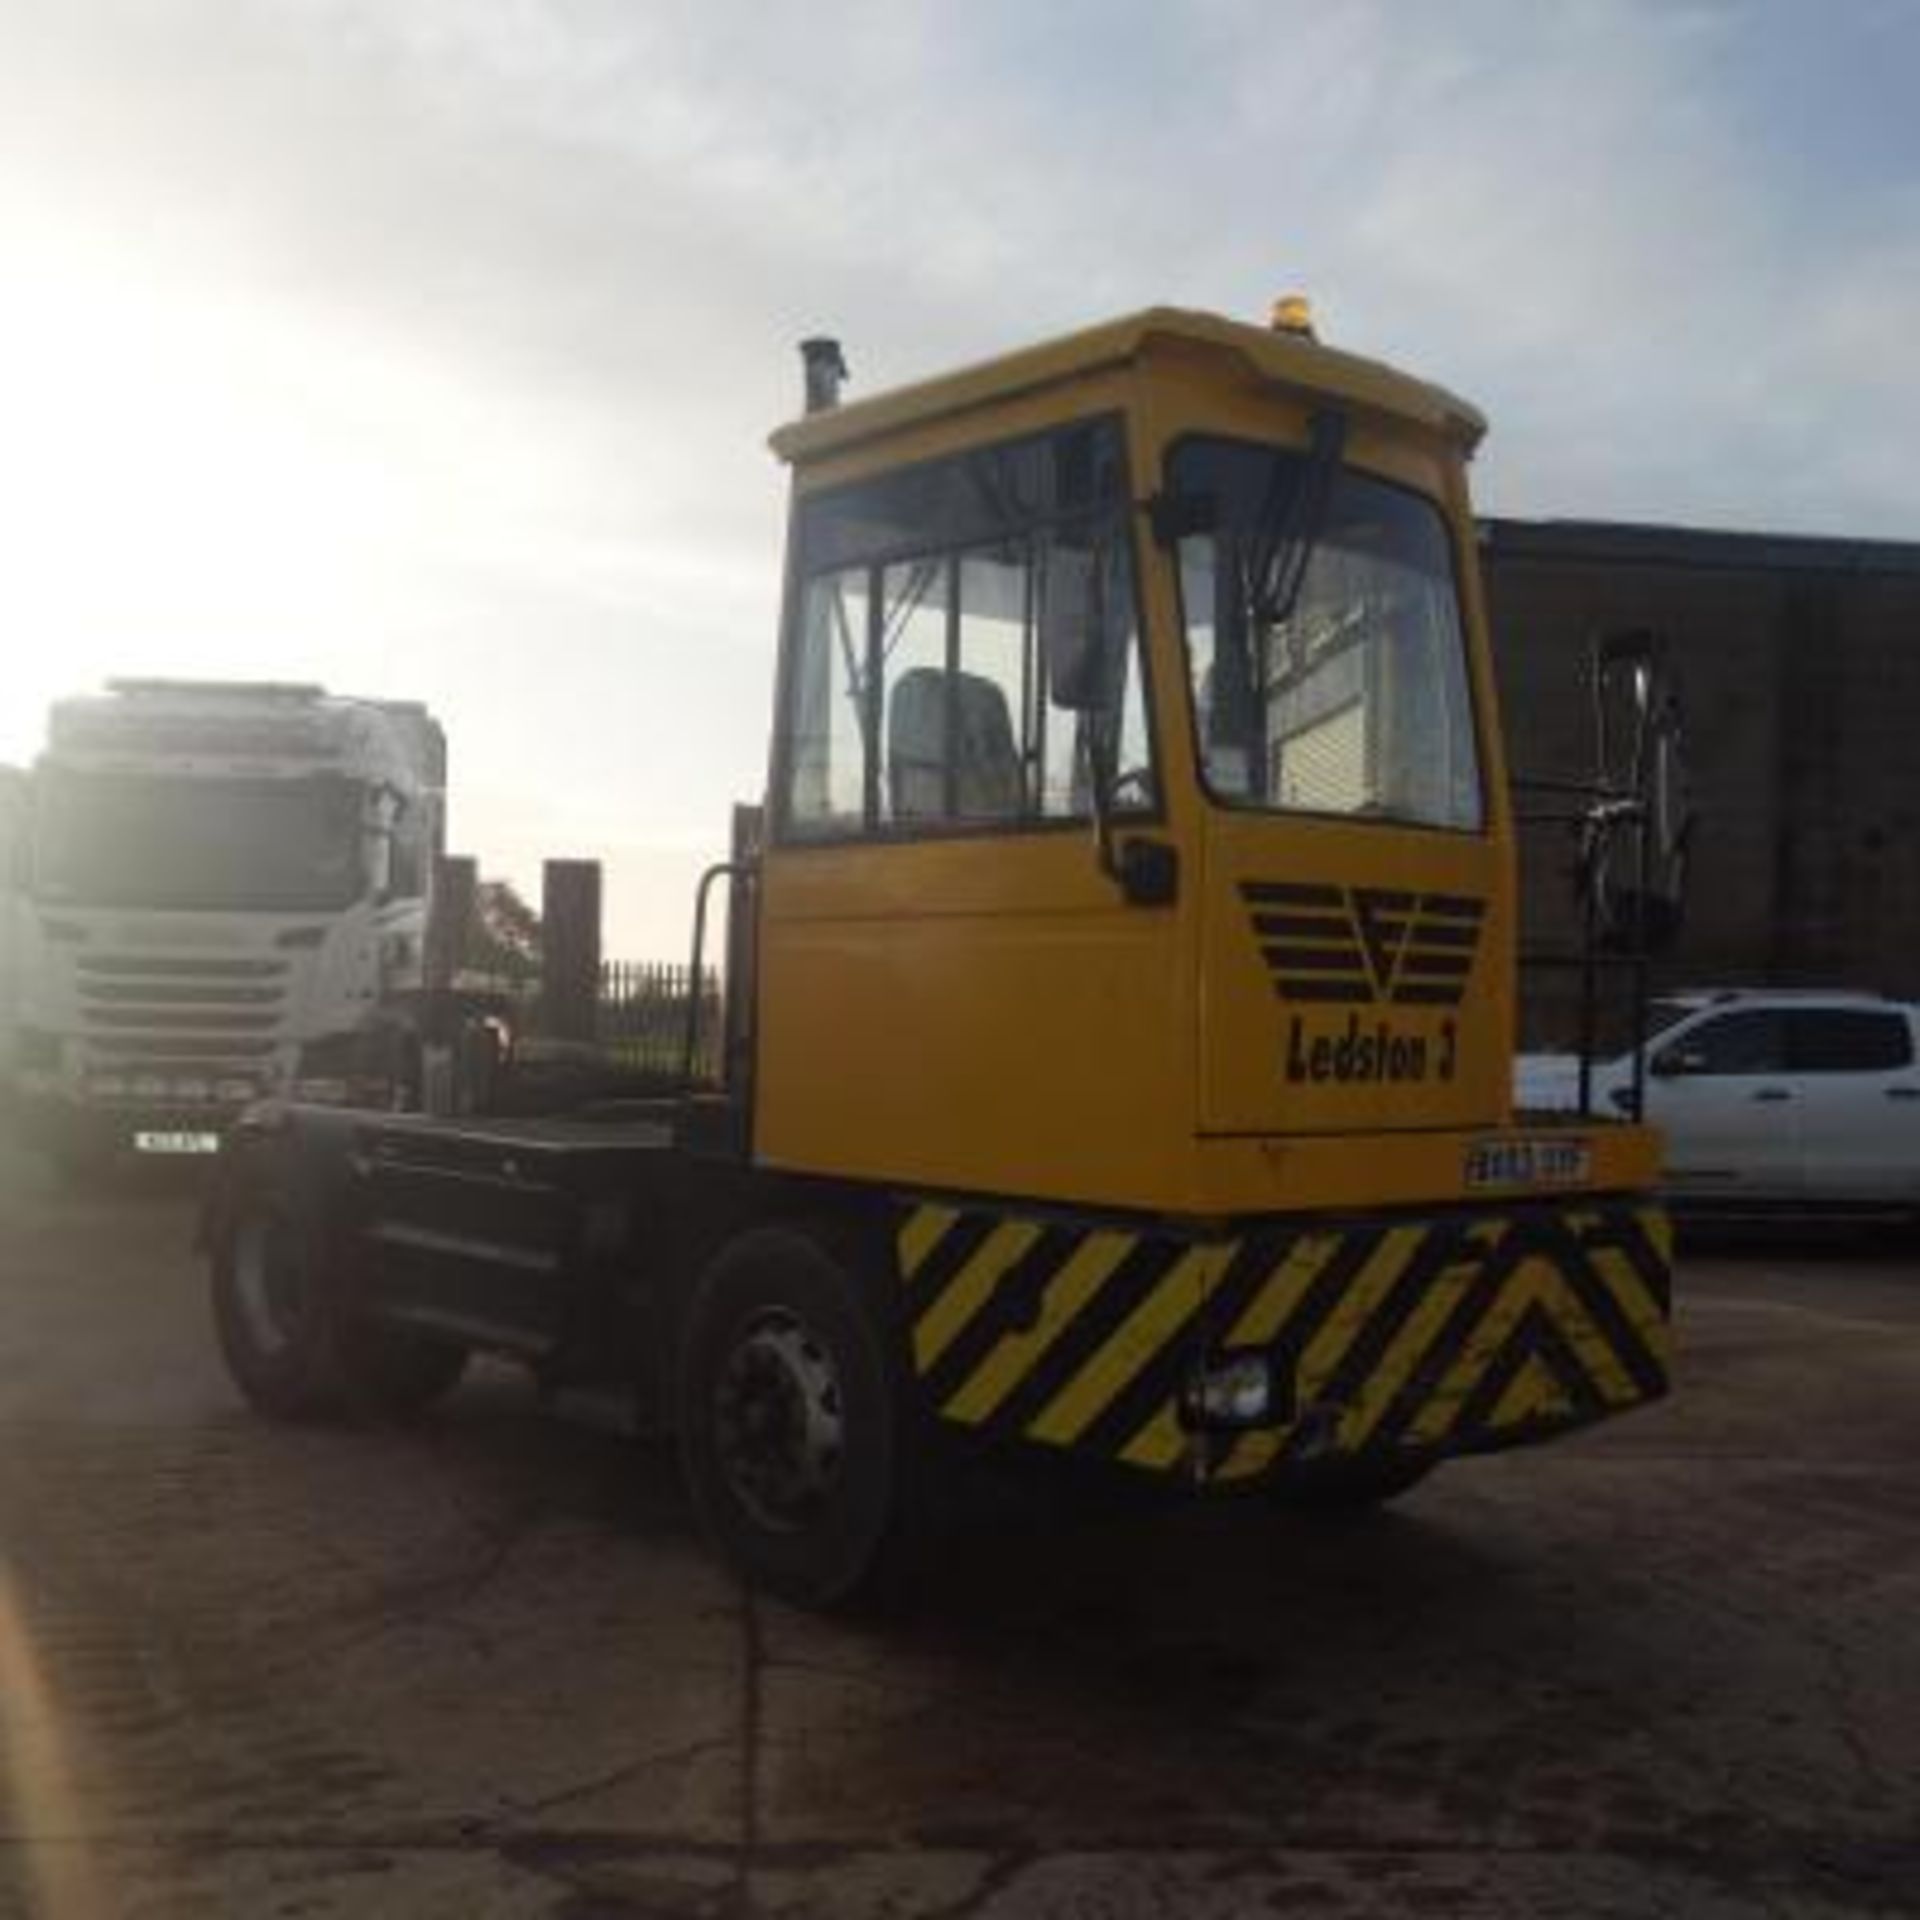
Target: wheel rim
pixel 268 1287
pixel 780 1422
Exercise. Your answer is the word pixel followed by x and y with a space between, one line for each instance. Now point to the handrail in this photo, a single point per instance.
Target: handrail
pixel 691 1050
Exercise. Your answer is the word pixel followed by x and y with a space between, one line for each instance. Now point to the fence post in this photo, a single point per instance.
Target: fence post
pixel 570 949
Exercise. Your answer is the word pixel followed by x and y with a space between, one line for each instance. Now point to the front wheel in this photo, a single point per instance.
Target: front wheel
pixel 791 1430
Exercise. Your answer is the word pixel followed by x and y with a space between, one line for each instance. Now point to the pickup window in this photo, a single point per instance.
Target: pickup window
pixel 1796 1040
pixel 1848 1040
pixel 1752 1041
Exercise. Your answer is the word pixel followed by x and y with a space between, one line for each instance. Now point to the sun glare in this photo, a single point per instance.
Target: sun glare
pixel 154 502
pixel 202 481
pixel 41 1819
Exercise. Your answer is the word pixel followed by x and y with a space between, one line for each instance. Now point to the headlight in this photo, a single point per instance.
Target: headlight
pixel 237 1091
pixel 1234 1390
pixel 108 1086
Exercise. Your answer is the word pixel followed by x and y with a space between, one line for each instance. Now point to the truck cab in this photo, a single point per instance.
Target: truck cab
pixel 1139 829
pixel 223 896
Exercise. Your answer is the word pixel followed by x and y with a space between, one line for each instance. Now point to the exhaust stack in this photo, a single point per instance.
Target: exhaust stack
pixel 826 368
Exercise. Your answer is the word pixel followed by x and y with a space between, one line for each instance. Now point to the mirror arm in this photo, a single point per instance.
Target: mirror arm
pixel 1144 869
pixel 1099 800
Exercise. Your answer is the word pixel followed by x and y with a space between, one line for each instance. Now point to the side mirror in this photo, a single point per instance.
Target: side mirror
pixel 1671 1063
pixel 382 825
pixel 1074 640
pixel 1148 872
pixel 1641 755
pixel 380 861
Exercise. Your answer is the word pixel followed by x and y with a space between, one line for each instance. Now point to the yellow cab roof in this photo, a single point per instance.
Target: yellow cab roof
pixel 1286 359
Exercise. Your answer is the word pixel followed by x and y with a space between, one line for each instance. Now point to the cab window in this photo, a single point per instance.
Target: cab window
pixel 916 698
pixel 1326 648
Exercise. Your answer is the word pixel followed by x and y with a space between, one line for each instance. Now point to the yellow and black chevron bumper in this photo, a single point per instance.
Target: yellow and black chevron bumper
pixel 1452 1333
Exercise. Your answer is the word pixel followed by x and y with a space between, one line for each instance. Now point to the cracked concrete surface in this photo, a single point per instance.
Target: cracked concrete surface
pixel 482 1667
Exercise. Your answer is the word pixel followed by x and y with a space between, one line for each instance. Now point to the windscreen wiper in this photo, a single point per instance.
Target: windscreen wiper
pixel 1290 523
pixel 1259 595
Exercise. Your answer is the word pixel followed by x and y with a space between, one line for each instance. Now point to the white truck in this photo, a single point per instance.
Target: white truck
pixel 223 895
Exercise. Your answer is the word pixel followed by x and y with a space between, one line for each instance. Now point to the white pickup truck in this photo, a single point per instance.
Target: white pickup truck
pixel 1766 1096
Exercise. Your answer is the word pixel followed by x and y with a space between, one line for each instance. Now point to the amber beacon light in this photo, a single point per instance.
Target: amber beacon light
pixel 1292 313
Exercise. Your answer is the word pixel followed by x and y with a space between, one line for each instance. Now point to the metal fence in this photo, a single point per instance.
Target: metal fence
pixel 643 1016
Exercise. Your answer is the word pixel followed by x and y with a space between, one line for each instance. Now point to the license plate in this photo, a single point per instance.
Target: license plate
pixel 176 1142
pixel 1528 1163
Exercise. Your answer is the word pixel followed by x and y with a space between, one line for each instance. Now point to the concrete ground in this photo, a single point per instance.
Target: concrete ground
pixel 481 1667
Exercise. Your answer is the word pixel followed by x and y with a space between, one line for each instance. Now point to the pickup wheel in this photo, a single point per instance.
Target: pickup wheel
pixel 792 1433
pixel 292 1345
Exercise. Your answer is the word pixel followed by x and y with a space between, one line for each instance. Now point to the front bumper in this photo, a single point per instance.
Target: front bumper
pixel 1387 1336
pixel 84 1130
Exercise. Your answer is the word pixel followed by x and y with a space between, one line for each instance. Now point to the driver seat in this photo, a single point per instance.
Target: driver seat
pixel 986 784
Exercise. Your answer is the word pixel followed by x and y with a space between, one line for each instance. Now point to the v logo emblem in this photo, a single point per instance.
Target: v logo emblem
pixel 1383 921
pixel 1330 945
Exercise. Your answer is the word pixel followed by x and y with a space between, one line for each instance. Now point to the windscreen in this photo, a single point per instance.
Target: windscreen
pixel 130 840
pixel 1324 640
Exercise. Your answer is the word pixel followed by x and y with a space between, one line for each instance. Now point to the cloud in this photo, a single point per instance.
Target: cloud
pixel 506 294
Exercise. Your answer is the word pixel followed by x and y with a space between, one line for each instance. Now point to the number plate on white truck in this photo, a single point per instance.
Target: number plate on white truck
pixel 177 1141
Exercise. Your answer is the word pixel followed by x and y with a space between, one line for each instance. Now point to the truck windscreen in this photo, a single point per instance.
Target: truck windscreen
pixel 1349 696
pixel 141 840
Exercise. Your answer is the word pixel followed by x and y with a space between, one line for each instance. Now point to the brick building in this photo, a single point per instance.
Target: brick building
pixel 1799 666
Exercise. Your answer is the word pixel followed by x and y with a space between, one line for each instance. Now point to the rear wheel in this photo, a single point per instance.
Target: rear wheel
pixel 290 1341
pixel 792 1433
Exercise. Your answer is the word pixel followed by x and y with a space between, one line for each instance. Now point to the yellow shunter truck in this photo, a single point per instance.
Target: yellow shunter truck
pixel 1121 1010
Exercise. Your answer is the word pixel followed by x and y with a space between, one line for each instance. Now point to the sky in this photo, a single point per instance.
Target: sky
pixel 428 348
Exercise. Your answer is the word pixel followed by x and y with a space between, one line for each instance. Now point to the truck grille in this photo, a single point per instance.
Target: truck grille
pixel 170 1007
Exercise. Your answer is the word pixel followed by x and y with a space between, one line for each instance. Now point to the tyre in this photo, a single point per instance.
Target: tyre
pixel 290 1341
pixel 793 1432
pixel 1331 1488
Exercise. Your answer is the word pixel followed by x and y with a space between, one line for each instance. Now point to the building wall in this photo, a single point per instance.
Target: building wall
pixel 1799 667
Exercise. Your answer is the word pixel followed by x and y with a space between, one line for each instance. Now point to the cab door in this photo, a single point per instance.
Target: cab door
pixel 1858 1090
pixel 1356 934
pixel 1730 1111
pixel 953 991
